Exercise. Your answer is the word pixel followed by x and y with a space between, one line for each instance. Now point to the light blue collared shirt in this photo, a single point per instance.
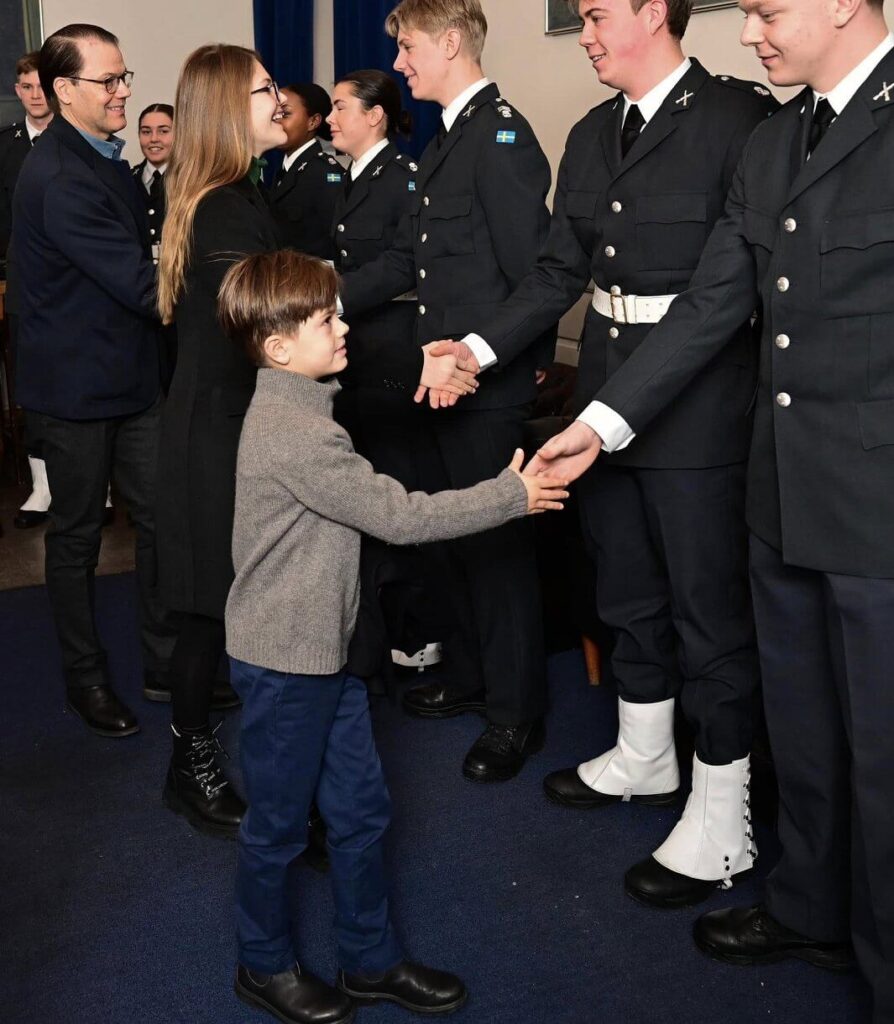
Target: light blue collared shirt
pixel 109 148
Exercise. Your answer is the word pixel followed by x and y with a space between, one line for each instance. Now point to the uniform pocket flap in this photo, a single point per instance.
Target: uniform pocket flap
pixel 876 422
pixel 581 204
pixel 672 209
pixel 450 206
pixel 759 228
pixel 859 231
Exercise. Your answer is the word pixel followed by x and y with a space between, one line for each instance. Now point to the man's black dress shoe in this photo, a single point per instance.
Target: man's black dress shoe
pixel 442 700
pixel 294 996
pixel 501 750
pixel 567 788
pixel 413 986
pixel 157 687
pixel 101 711
pixel 657 886
pixel 26 518
pixel 750 935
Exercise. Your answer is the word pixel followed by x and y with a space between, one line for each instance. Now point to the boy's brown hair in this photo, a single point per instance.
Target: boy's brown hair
pixel 273 293
pixel 434 17
pixel 25 65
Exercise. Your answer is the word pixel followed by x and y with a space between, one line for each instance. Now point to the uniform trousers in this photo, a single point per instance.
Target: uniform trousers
pixel 670 549
pixel 306 737
pixel 826 645
pixel 81 457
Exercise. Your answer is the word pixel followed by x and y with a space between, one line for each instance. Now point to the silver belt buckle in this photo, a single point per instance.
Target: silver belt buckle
pixel 617 302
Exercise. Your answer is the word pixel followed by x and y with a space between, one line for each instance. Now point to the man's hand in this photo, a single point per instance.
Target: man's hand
pixel 567 455
pixel 544 492
pixel 441 357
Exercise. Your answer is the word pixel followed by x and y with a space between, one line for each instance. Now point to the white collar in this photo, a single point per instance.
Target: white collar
pixel 32 131
pixel 359 166
pixel 148 171
pixel 453 110
pixel 650 104
pixel 843 93
pixel 292 157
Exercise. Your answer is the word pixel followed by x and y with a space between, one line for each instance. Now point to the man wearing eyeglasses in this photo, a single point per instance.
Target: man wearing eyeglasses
pixel 88 353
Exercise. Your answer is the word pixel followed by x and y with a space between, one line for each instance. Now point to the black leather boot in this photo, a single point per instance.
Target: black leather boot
pixel 415 987
pixel 197 787
pixel 294 996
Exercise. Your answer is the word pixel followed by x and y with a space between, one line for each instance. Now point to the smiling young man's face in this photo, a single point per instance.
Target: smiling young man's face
pixel 422 60
pixel 615 39
pixel 793 39
pixel 87 104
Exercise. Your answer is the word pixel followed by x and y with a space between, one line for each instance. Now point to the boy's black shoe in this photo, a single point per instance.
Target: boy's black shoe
pixel 293 996
pixel 443 700
pixel 413 986
pixel 500 751
pixel 751 935
pixel 197 787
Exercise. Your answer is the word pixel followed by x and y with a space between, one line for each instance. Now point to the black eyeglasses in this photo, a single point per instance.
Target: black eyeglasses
pixel 272 88
pixel 110 84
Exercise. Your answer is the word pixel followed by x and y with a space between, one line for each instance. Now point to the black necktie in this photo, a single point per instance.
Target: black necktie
pixel 823 116
pixel 349 183
pixel 442 132
pixel 155 184
pixel 633 125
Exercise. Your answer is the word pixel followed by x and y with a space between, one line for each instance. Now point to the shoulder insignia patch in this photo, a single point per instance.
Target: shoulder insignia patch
pixel 333 177
pixel 744 86
pixel 504 111
pixel 411 186
pixel 414 166
pixel 506 137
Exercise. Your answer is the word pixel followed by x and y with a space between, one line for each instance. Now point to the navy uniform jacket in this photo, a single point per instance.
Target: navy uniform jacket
pixel 811 244
pixel 303 199
pixel 88 333
pixel 383 353
pixel 155 202
pixel 475 228
pixel 15 145
pixel 641 223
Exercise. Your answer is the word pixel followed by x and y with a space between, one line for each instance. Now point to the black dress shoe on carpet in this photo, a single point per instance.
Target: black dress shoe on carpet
pixel 750 935
pixel 197 787
pixel 657 886
pixel 413 986
pixel 442 700
pixel 294 996
pixel 567 788
pixel 101 711
pixel 157 687
pixel 501 750
pixel 26 518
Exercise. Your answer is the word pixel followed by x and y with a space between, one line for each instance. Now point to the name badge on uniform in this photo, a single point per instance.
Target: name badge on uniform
pixel 507 137
pixel 411 186
pixel 333 177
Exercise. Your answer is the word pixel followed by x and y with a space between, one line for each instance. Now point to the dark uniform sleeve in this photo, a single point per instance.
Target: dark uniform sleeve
pixel 722 295
pixel 390 275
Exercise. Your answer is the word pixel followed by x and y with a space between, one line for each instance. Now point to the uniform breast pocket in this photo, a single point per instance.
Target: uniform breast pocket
pixel 856 258
pixel 450 232
pixel 671 229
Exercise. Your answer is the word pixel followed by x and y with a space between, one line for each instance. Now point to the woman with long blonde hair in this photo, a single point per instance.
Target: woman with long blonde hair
pixel 227 114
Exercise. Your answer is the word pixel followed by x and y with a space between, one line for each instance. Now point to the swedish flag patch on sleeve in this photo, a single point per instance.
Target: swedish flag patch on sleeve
pixel 411 186
pixel 333 177
pixel 507 137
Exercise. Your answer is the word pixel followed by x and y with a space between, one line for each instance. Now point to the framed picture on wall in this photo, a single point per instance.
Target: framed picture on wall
pixel 22 22
pixel 560 18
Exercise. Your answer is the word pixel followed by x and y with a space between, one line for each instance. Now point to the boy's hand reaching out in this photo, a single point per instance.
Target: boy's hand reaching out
pixel 544 492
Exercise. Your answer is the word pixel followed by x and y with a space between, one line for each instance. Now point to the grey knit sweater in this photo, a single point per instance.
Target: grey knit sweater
pixel 303 496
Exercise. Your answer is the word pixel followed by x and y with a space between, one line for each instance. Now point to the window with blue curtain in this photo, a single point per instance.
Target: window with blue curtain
pixel 361 42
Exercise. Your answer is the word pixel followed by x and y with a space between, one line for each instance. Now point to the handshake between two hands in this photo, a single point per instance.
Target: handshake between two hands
pixel 450 370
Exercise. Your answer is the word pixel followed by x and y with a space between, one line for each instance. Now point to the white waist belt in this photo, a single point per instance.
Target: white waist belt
pixel 631 309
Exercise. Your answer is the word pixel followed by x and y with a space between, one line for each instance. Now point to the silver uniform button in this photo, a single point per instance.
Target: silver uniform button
pixel 782 284
pixel 616 207
pixel 424 237
pixel 783 399
pixel 151 213
pixel 613 332
pixel 782 341
pixel 422 273
pixel 422 310
pixel 426 200
pixel 344 252
pixel 340 227
pixel 609 251
pixel 615 289
pixel 151 231
pixel 790 224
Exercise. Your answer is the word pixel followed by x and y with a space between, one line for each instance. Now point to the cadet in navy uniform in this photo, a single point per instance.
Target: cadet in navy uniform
pixel 643 179
pixel 477 223
pixel 307 187
pixel 156 134
pixel 807 238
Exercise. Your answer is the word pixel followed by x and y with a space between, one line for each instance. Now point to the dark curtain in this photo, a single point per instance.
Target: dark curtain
pixel 284 37
pixel 361 42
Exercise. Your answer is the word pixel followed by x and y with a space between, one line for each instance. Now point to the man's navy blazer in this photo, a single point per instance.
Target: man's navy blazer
pixel 84 281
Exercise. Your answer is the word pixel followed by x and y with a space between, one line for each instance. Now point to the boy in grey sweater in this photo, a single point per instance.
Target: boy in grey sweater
pixel 303 497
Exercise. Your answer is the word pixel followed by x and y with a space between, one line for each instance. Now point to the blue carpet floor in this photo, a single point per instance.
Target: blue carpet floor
pixel 114 911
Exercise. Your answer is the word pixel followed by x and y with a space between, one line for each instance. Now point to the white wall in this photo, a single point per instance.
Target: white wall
pixel 156 37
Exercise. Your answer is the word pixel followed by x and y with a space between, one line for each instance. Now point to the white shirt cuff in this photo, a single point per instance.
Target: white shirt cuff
pixel 481 350
pixel 612 428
